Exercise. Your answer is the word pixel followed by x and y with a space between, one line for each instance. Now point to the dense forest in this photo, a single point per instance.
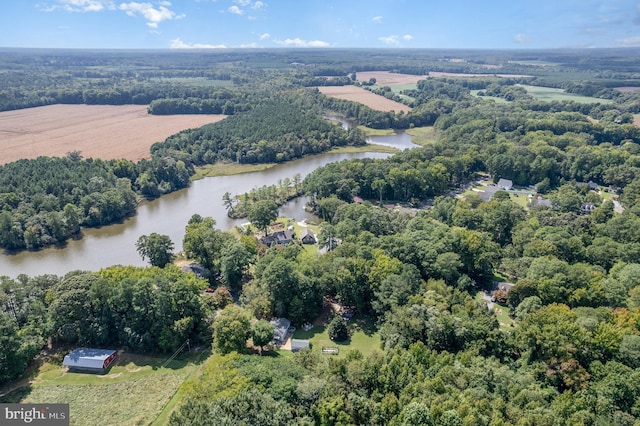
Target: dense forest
pixel 568 352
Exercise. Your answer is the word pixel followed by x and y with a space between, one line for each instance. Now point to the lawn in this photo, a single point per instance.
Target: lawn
pixel 364 337
pixel 135 390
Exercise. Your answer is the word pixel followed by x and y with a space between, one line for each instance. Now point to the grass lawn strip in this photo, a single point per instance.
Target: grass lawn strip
pixel 363 338
pixel 135 390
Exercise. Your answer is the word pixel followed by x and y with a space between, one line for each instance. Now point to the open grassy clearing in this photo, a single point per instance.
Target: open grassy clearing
pixel 493 98
pixel 364 337
pixel 135 390
pixel 423 135
pixel 552 94
pixel 198 81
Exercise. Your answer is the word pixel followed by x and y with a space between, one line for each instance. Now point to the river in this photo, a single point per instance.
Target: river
pixel 168 215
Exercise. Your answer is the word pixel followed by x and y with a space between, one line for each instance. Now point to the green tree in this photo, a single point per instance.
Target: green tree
pixel 338 331
pixel 157 248
pixel 262 334
pixel 231 329
pixel 262 213
pixel 234 260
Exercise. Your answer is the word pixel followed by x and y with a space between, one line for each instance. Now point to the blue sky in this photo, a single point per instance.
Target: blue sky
pixel 151 24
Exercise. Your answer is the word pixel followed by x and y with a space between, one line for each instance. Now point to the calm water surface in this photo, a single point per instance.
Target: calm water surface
pixel 168 215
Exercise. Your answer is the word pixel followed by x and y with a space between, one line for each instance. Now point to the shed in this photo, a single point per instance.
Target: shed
pixel 308 237
pixel 89 360
pixel 299 344
pixel 280 330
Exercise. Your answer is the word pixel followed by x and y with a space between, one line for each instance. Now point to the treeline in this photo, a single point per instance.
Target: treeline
pixel 423 115
pixel 414 174
pixel 221 105
pixel 274 131
pixel 145 309
pixel 45 201
pixel 105 92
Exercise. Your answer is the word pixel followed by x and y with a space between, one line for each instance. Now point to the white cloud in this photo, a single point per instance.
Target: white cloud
pixel 235 9
pixel 153 15
pixel 377 19
pixel 81 5
pixel 407 37
pixel 243 2
pixel 521 38
pixel 296 42
pixel 391 40
pixel 628 42
pixel 265 36
pixel 179 44
pixel 257 5
pixel 249 46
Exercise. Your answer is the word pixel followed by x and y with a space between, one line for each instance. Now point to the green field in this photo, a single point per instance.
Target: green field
pixel 364 338
pixel 135 390
pixel 422 135
pixel 494 98
pixel 551 94
pixel 198 81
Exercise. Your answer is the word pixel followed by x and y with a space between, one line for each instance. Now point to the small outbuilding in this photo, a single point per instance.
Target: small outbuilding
pixel 89 360
pixel 299 344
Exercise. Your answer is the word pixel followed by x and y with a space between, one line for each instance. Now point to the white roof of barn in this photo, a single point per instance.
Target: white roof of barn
pixel 87 358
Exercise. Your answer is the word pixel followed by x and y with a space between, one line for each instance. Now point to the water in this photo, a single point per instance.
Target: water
pixel 168 215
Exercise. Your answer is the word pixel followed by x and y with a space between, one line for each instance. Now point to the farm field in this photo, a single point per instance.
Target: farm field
pixel 386 78
pixel 97 131
pixel 457 74
pixel 357 94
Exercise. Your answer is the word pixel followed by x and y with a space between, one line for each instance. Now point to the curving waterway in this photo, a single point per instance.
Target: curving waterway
pixel 169 214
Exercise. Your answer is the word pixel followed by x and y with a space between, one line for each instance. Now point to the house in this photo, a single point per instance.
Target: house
pixel 89 360
pixel 539 201
pixel 505 184
pixel 280 330
pixel 280 237
pixel 299 344
pixel 308 237
pixel 199 270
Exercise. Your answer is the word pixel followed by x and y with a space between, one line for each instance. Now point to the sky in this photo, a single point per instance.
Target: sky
pixel 185 24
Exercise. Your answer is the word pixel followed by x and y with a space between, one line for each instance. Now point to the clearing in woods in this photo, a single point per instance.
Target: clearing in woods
pixel 97 131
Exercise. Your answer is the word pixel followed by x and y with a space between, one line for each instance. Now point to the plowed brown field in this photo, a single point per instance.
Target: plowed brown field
pixel 386 78
pixel 97 131
pixel 358 94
